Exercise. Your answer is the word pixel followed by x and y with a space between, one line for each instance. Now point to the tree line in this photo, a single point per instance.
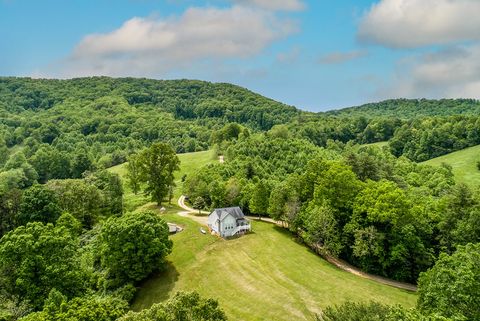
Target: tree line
pixel 68 251
pixel 390 216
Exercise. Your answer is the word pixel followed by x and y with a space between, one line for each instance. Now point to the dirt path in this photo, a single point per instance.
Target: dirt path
pixel 193 213
pixel 202 220
pixel 190 212
pixel 181 203
pixel 351 269
pixel 265 219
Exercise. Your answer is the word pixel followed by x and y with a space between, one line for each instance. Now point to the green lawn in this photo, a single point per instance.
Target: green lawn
pixel 189 162
pixel 464 164
pixel 265 275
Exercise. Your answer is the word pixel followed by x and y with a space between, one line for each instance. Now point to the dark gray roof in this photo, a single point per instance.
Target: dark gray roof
pixel 236 212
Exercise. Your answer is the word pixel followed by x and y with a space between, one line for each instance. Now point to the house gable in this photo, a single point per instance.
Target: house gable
pixel 228 221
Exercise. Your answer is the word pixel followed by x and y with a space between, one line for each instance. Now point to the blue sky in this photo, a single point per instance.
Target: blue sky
pixel 316 55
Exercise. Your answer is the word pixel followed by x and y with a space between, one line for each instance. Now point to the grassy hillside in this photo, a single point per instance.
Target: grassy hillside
pixel 189 162
pixel 464 164
pixel 267 266
pixel 265 275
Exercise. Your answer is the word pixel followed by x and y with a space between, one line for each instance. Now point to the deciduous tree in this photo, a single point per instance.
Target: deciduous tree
pixel 158 163
pixel 134 173
pixel 133 246
pixel 452 287
pixel 183 306
pixel 39 204
pixel 36 258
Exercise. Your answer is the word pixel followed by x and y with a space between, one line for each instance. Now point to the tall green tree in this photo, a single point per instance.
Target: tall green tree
pixel 277 201
pixel 28 174
pixel 3 152
pixel 81 163
pixel 82 200
pixel 90 308
pixel 111 190
pixel 199 203
pixel 36 258
pixel 183 306
pixel 321 228
pixel 335 184
pixel 9 206
pixel 158 163
pixel 39 204
pixel 134 170
pixel 133 246
pixel 260 198
pixel 452 287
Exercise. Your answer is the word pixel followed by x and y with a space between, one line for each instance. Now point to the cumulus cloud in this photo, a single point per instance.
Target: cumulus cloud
pixel 151 46
pixel 450 73
pixel 284 5
pixel 341 57
pixel 416 23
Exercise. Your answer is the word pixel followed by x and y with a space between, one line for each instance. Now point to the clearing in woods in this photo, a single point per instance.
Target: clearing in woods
pixel 464 165
pixel 265 275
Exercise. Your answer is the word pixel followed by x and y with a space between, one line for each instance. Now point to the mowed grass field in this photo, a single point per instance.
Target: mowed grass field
pixel 189 163
pixel 265 275
pixel 464 165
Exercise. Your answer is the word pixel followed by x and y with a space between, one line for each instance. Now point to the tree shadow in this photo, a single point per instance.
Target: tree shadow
pixel 237 236
pixel 294 237
pixel 156 288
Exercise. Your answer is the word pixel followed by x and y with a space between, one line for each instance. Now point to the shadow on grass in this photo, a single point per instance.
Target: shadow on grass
pixel 287 232
pixel 237 236
pixel 156 288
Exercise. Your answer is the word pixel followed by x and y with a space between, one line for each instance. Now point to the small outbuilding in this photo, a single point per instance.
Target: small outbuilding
pixel 227 222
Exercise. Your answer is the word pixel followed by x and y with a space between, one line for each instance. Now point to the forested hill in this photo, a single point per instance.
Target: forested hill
pixel 97 122
pixel 411 108
pixel 103 120
pixel 185 99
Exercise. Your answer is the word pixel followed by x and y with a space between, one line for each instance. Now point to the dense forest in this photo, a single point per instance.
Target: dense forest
pixel 388 215
pixel 65 127
pixel 69 251
pixel 81 124
pixel 411 108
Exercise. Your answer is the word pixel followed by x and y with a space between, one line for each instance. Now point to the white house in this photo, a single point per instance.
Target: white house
pixel 228 222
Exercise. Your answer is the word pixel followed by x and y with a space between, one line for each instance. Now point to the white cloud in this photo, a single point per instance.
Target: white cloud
pixel 450 73
pixel 342 57
pixel 284 5
pixel 415 23
pixel 289 56
pixel 152 46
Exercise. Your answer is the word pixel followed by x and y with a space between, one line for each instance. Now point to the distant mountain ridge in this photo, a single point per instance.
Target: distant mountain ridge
pixel 185 99
pixel 411 108
pixel 202 99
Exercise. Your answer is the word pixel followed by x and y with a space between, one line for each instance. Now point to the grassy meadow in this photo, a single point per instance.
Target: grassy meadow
pixel 464 165
pixel 189 162
pixel 265 275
